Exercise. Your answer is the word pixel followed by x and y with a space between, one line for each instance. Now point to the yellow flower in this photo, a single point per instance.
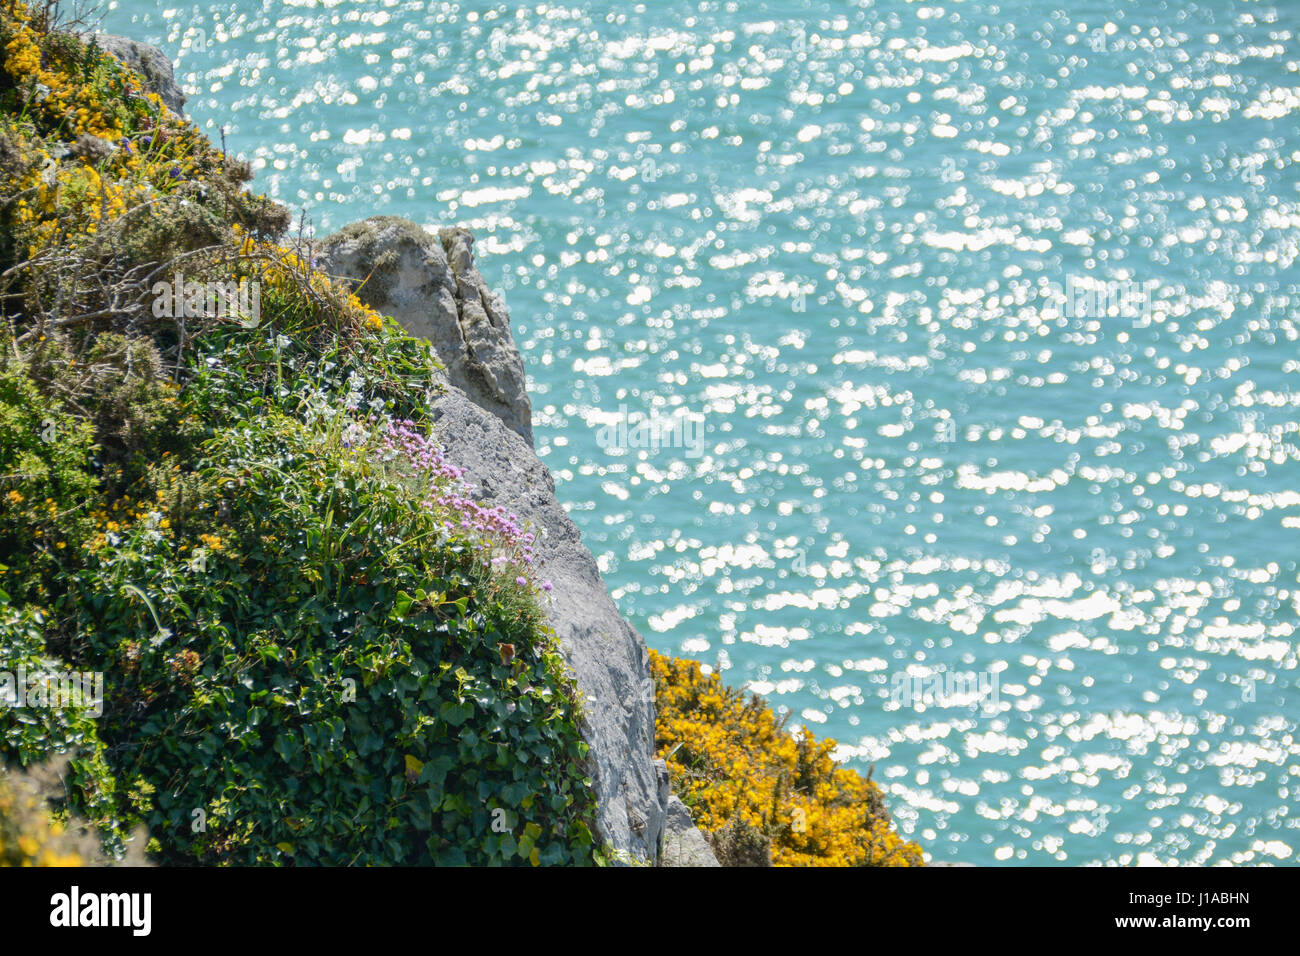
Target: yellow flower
pixel 735 765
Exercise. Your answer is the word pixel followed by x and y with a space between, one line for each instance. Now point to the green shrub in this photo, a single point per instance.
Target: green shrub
pixel 45 481
pixel 318 688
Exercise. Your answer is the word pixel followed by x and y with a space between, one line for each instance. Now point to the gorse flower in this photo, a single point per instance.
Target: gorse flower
pixel 740 772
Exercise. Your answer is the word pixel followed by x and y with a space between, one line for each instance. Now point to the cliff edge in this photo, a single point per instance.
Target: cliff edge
pixel 431 284
pixel 359 627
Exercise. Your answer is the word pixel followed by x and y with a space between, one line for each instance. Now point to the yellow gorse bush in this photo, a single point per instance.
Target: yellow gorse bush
pixel 62 95
pixel 85 198
pixel 734 765
pixel 65 195
pixel 137 150
pixel 282 269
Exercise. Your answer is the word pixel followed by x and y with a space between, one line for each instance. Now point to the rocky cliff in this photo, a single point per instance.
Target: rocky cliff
pixel 431 284
pixel 151 63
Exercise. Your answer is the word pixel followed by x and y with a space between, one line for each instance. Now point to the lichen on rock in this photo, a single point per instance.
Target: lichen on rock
pixel 431 285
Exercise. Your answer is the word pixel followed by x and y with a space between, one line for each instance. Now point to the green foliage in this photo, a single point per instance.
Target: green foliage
pixel 34 736
pixel 45 479
pixel 298 650
pixel 305 660
pixel 321 691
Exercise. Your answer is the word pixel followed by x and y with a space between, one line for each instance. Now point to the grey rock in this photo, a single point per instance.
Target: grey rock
pixel 684 844
pixel 483 421
pixel 151 63
pixel 91 148
pixel 432 286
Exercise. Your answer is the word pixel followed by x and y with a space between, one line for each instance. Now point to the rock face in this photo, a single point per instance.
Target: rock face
pixel 431 285
pixel 152 65
pixel 684 844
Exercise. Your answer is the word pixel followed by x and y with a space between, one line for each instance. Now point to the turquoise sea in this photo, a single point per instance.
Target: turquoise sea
pixel 987 315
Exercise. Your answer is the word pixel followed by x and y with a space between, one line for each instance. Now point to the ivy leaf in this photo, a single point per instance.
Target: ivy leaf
pixel 401 605
pixel 285 746
pixel 435 771
pixel 455 714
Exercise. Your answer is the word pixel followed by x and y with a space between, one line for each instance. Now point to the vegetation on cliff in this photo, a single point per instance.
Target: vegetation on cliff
pixel 760 794
pixel 316 647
